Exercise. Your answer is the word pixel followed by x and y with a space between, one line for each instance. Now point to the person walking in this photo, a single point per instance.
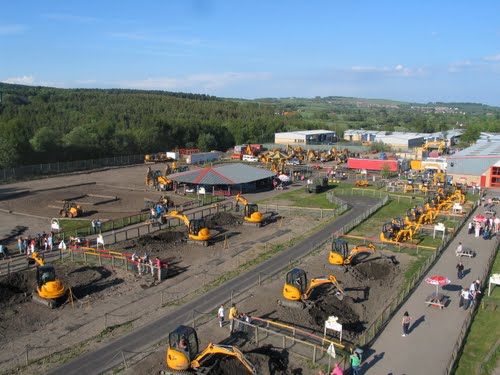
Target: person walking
pixel 459 249
pixel 406 324
pixel 93 226
pixel 477 229
pixel 355 362
pixel 464 299
pixel 460 270
pixel 233 314
pixel 220 315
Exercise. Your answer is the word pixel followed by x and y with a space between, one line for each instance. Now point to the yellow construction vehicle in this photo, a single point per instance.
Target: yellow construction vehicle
pixel 197 230
pixel 49 291
pixel 409 188
pixel 393 233
pixel 157 181
pixel 340 255
pixel 71 209
pixel 182 353
pixel 251 211
pixel 361 180
pixel 296 292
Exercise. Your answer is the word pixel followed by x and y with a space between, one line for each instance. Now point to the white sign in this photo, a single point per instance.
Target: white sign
pixel 331 323
pixel 55 225
pixel 331 351
pixel 62 245
pixel 495 280
pixel 100 241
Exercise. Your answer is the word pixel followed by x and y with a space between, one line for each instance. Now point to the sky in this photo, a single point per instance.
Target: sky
pixel 418 51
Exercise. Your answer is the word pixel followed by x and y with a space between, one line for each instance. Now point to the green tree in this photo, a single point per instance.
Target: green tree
pixel 45 139
pixel 206 142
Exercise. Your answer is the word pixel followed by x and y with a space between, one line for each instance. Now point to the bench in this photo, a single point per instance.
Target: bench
pixel 466 253
pixel 436 300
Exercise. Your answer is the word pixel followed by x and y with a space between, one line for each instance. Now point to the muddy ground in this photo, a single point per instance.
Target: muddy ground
pixel 122 295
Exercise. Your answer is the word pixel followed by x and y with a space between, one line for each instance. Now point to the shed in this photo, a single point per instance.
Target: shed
pixel 234 176
pixel 306 137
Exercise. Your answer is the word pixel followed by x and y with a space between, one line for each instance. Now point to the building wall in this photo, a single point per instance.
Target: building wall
pixel 467 179
pixel 290 141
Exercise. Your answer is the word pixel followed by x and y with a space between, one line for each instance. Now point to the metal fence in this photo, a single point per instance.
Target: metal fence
pixel 32 171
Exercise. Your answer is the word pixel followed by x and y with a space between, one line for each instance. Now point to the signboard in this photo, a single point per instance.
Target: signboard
pixel 331 323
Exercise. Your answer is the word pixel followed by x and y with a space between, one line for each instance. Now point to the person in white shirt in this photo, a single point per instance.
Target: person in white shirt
pixel 220 315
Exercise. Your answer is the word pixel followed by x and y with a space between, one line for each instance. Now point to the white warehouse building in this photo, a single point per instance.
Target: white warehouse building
pixel 306 137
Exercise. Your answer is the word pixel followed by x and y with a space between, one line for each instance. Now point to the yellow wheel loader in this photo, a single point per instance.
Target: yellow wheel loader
pixel 49 290
pixel 296 291
pixel 182 353
pixel 71 209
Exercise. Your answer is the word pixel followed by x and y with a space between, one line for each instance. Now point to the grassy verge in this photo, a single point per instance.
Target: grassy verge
pixel 483 335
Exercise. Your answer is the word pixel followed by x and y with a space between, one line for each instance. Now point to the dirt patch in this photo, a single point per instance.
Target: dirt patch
pixel 15 288
pixel 222 219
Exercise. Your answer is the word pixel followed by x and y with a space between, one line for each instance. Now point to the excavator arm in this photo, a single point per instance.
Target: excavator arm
pixel 35 257
pixel 320 281
pixel 214 349
pixel 239 198
pixel 179 216
pixel 359 249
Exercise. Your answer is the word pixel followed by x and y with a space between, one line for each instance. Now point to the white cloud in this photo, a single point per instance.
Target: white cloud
pixel 398 70
pixel 492 57
pixel 460 66
pixel 199 81
pixel 86 81
pixel 12 29
pixel 24 80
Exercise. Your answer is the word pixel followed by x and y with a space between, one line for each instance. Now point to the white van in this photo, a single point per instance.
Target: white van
pixel 250 158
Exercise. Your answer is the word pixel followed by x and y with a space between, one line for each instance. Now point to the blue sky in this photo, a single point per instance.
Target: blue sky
pixel 404 50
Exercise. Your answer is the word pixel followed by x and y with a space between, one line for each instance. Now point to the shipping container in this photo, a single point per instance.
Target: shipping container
pixel 202 157
pixel 377 164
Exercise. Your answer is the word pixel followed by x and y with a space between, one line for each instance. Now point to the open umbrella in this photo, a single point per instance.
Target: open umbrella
pixel 479 218
pixel 437 281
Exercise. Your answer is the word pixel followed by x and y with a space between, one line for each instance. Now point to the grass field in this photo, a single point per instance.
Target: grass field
pixel 483 335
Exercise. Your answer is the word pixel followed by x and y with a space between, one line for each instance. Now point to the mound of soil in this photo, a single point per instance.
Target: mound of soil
pixel 222 219
pixel 163 237
pixel 378 269
pixel 329 305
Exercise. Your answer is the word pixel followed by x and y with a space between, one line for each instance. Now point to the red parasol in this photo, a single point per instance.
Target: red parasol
pixel 479 218
pixel 437 280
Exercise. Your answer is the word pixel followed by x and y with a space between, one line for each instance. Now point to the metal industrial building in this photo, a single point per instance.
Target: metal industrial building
pixel 398 140
pixel 227 178
pixel 306 137
pixel 477 165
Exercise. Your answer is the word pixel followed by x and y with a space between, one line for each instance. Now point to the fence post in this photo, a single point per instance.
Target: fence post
pixel 256 335
pixel 314 354
pixel 85 256
pixel 124 360
pixel 260 283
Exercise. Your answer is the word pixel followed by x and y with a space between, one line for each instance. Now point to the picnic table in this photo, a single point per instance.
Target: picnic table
pixel 436 300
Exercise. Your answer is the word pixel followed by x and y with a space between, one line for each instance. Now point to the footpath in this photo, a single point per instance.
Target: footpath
pixel 433 332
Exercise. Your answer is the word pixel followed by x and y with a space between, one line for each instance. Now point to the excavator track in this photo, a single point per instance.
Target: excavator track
pixel 292 304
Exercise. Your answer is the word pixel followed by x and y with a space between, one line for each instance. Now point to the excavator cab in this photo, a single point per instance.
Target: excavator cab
pixel 45 274
pixel 182 348
pixel 49 290
pixel 295 285
pixel 339 252
pixel 388 232
pixel 196 225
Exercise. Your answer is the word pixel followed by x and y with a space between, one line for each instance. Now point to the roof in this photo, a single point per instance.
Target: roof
pixel 304 132
pixel 482 150
pixel 225 174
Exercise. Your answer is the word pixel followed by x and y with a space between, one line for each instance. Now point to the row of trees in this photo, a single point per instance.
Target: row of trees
pixel 43 124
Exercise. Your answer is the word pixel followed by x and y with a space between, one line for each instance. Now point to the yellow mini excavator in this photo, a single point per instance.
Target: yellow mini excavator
pixel 392 233
pixel 296 292
pixel 340 255
pixel 197 229
pixel 252 214
pixel 49 291
pixel 182 353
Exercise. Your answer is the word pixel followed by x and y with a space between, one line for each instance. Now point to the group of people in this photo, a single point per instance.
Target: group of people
pixel 468 296
pixel 41 242
pixel 96 226
pixel 486 229
pixel 145 262
pixel 234 316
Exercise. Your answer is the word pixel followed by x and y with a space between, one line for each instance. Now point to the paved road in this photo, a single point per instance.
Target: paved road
pixel 109 355
pixel 434 332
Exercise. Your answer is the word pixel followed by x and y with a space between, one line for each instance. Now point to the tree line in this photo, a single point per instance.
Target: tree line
pixel 42 124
